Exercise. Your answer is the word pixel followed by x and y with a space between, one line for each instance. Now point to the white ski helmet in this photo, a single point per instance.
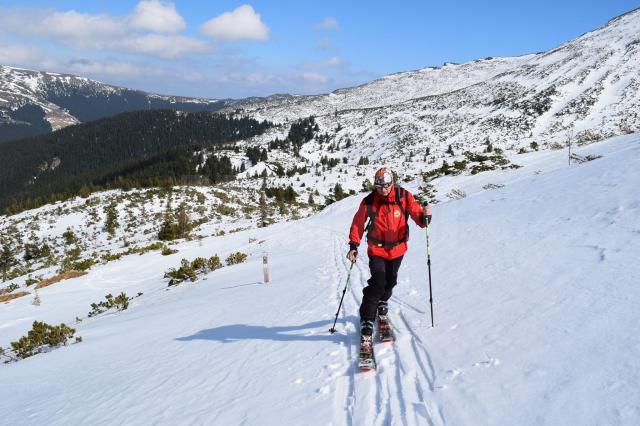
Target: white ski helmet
pixel 383 177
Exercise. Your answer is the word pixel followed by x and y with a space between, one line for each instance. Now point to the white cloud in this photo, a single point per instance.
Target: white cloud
pixel 22 21
pixel 313 77
pixel 135 33
pixel 328 23
pixel 81 29
pixel 165 46
pixel 242 23
pixel 156 16
pixel 334 61
pixel 258 78
pixel 193 76
pixel 111 68
pixel 17 54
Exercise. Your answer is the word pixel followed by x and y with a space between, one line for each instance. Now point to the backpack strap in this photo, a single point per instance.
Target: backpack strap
pixel 368 201
pixel 401 192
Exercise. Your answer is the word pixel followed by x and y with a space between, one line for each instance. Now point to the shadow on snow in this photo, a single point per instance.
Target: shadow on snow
pixel 317 331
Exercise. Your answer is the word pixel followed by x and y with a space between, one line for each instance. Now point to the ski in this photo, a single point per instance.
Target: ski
pixel 367 361
pixel 385 329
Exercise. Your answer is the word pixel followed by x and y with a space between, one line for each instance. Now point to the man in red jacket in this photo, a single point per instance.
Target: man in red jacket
pixel 388 208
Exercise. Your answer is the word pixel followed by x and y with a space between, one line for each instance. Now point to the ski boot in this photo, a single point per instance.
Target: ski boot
pixel 366 328
pixel 385 331
pixel 383 308
pixel 366 360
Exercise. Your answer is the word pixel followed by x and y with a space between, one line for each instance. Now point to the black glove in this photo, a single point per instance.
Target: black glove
pixel 427 218
pixel 352 248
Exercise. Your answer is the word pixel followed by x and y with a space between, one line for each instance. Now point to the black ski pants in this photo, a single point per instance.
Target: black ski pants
pixel 384 275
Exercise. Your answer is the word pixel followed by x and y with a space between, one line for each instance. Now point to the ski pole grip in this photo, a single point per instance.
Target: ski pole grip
pixel 427 217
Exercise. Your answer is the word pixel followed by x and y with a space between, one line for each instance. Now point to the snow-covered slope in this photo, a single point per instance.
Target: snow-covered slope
pixel 535 310
pixel 387 90
pixel 588 89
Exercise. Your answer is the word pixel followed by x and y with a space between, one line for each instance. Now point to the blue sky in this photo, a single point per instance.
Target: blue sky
pixel 236 49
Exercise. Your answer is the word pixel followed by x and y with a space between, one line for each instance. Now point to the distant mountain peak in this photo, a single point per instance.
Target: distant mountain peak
pixel 33 102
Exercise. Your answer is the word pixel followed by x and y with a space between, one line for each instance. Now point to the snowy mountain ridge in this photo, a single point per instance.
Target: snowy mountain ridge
pixel 64 99
pixel 587 89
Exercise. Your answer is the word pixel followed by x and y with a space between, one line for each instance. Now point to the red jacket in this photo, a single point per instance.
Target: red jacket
pixel 389 231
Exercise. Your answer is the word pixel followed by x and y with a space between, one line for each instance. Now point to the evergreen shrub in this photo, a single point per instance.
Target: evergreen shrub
pixel 40 338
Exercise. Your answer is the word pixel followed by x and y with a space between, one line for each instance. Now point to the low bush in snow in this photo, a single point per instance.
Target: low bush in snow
pixel 214 263
pixel 456 194
pixel 120 302
pixel 108 257
pixel 166 251
pixel 556 146
pixel 199 264
pixel 82 265
pixel 146 249
pixel 235 258
pixel 189 270
pixel 183 273
pixel 580 159
pixel 492 186
pixel 31 281
pixel 8 289
pixel 42 337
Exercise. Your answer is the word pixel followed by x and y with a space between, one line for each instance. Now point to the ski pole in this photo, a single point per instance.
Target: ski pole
pixel 426 222
pixel 333 329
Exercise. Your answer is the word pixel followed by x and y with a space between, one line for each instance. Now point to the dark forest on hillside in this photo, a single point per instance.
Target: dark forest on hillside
pixel 135 149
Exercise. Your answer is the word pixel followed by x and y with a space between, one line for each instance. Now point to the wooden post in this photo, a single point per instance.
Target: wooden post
pixel 265 266
pixel 570 136
pixel 36 299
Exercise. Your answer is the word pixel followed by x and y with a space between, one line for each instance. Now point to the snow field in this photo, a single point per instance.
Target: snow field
pixel 535 313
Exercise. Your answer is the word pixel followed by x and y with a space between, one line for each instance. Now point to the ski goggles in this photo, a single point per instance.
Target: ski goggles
pixel 383 185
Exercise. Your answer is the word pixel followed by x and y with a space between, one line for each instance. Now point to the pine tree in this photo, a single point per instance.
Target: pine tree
pixel 111 222
pixel 7 258
pixel 446 168
pixel 338 192
pixel 69 236
pixel 31 249
pixel 184 222
pixel 263 211
pixel 450 150
pixel 168 229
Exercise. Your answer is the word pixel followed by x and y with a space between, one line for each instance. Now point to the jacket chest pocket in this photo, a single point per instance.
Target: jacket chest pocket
pixel 393 221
